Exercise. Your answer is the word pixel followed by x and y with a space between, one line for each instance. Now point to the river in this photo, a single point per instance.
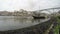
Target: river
pixel 12 23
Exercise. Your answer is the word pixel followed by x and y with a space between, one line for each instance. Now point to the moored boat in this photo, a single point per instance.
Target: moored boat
pixel 41 17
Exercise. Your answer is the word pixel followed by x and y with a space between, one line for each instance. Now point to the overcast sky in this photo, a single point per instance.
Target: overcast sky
pixel 11 5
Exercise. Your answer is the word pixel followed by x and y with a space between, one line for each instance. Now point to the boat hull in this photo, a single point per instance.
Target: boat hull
pixel 38 17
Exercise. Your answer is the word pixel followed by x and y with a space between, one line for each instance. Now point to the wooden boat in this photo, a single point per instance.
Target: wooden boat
pixel 41 17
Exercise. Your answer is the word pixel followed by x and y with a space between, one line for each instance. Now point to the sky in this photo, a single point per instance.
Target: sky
pixel 29 5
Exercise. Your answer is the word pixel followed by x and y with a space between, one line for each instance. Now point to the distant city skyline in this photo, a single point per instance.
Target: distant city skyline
pixel 29 5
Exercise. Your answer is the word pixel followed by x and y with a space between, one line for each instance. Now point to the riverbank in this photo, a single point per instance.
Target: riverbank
pixel 56 28
pixel 15 13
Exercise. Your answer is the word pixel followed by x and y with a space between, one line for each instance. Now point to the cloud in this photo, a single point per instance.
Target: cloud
pixel 28 4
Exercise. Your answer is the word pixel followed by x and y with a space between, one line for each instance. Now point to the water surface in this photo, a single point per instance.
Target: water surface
pixel 12 23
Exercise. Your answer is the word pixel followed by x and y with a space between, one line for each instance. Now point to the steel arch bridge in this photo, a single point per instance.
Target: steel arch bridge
pixel 51 10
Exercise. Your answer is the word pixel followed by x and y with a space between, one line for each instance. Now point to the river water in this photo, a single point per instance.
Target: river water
pixel 12 23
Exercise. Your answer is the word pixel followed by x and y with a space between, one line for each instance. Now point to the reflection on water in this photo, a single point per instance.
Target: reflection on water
pixel 11 22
